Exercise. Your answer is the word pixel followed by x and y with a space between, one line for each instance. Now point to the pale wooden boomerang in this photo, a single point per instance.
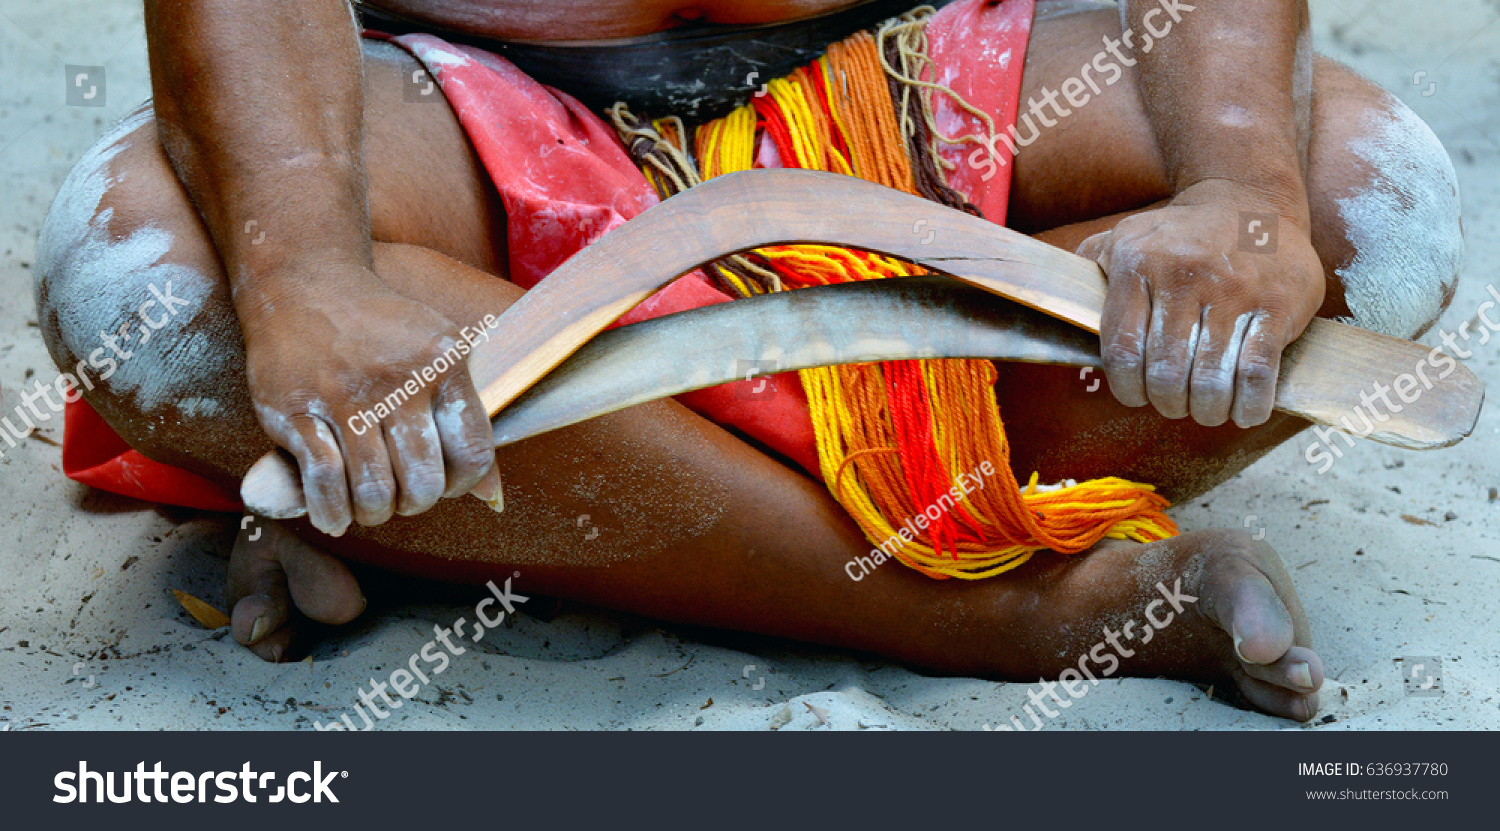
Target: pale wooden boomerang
pixel 1322 373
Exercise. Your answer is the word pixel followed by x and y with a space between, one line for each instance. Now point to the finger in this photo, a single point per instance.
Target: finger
pixel 1122 336
pixel 372 485
pixel 323 480
pixel 319 583
pixel 468 443
pixel 1170 345
pixel 1256 373
pixel 1212 385
pixel 416 459
pixel 319 467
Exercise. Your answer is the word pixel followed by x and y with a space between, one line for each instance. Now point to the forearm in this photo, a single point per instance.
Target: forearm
pixel 260 110
pixel 1228 93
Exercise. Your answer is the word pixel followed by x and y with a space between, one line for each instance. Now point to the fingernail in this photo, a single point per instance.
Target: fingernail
pixel 276 654
pixel 258 630
pixel 1300 674
pixel 493 496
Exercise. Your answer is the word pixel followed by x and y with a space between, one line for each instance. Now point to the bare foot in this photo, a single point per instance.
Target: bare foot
pixel 277 583
pixel 1214 606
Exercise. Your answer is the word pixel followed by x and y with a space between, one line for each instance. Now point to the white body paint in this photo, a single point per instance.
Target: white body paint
pixel 194 407
pixel 95 282
pixel 1404 225
pixel 449 417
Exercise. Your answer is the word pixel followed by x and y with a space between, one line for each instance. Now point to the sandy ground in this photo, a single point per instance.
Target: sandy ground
pixel 1394 552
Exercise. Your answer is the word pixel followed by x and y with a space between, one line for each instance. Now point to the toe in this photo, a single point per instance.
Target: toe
pixel 1299 670
pixel 261 623
pixel 1277 700
pixel 256 616
pixel 1243 601
pixel 260 604
pixel 320 584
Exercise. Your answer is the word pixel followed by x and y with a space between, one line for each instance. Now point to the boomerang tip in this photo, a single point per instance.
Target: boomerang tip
pixel 273 489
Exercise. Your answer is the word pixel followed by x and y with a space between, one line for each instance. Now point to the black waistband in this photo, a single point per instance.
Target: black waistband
pixel 697 71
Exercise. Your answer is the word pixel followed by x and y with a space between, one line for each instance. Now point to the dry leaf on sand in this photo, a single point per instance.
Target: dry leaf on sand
pixel 202 612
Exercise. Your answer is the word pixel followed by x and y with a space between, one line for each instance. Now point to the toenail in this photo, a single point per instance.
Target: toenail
pixel 1233 630
pixel 1300 674
pixel 258 631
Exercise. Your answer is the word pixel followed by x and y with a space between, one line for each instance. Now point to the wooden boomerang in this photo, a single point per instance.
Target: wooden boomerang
pixel 1321 378
pixel 877 320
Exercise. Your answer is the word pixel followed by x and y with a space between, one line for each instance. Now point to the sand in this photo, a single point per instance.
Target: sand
pixel 1394 552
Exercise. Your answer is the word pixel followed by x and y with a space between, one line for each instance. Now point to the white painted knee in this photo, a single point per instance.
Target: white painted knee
pixel 110 304
pixel 1404 225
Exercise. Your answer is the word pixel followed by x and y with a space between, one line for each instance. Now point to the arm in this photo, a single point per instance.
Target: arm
pixel 260 109
pixel 1198 313
pixel 261 114
pixel 1229 95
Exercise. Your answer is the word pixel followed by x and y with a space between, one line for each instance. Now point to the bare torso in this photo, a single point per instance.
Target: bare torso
pixel 597 19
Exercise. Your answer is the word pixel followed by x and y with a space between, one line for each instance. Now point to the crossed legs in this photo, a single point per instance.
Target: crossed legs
pixel 693 524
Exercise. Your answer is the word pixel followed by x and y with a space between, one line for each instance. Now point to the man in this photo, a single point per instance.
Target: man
pixel 294 200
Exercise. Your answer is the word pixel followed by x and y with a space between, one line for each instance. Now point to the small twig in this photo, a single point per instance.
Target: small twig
pixel 679 669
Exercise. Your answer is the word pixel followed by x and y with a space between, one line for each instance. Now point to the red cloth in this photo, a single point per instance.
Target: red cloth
pixel 94 454
pixel 566 181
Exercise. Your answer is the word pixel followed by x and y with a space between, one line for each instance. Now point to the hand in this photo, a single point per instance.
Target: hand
pixel 331 372
pixel 1194 322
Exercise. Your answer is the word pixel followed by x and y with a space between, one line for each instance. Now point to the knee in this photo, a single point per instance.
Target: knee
pixel 123 309
pixel 1399 214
